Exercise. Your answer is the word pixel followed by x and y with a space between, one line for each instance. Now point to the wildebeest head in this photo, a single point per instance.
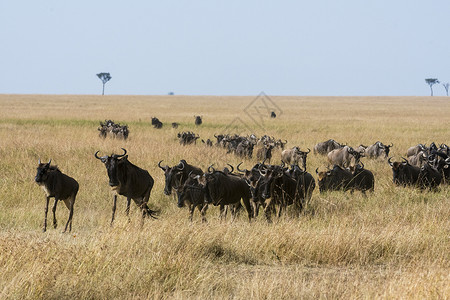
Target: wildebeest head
pixel 269 175
pixel 397 170
pixel 192 190
pixel 113 164
pixel 42 171
pixel 172 176
pixel 387 149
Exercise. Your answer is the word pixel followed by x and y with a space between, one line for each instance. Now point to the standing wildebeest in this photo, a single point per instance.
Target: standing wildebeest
pixel 362 180
pixel 226 189
pixel 175 125
pixel 265 153
pixel 192 192
pixel 252 177
pixel 198 120
pixel 273 115
pixel 414 150
pixel 58 185
pixel 176 176
pixel 419 159
pixel 343 156
pixel 294 155
pixel 305 185
pixel 325 147
pixel 334 179
pixel 378 150
pixel 156 123
pixel 128 180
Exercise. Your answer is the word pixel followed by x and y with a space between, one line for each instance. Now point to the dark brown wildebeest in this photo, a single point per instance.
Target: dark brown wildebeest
pixel 273 115
pixel 429 177
pixel 378 150
pixel 156 123
pixel 128 180
pixel 334 179
pixel 176 176
pixel 343 156
pixel 192 193
pixel 226 189
pixel 324 148
pixel 175 125
pixel 198 120
pixel 403 173
pixel 252 177
pixel 305 186
pixel 362 180
pixel 58 185
pixel 208 142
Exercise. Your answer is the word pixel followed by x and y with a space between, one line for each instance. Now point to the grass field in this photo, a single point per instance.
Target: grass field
pixel 393 244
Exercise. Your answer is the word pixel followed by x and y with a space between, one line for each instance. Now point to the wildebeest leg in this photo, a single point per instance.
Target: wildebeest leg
pixel 249 208
pixel 54 212
pixel 202 208
pixel 127 210
pixel 222 212
pixel 191 211
pixel 114 208
pixel 69 203
pixel 268 210
pixel 45 215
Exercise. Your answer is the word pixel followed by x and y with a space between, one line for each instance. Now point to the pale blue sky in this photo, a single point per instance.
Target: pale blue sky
pixel 193 47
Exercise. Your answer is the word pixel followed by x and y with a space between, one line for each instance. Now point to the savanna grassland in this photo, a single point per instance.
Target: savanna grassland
pixel 395 243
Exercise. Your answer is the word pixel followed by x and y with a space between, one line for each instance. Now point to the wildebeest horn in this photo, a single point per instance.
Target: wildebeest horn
pixel 121 155
pixel 362 164
pixel 96 156
pixel 389 161
pixel 49 161
pixel 39 162
pixel 215 135
pixel 263 173
pixel 405 160
pixel 282 164
pixel 182 164
pixel 391 145
pixel 232 168
pixel 211 167
pixel 237 167
pixel 317 170
pixel 309 150
pixel 159 165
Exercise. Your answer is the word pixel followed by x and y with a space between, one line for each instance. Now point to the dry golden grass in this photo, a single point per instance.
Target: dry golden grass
pixel 392 244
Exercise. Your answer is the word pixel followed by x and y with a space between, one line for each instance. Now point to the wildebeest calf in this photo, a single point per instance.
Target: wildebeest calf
pixel 57 185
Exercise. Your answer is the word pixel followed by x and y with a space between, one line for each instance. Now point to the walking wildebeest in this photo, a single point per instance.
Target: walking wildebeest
pixel 198 120
pixel 325 147
pixel 226 189
pixel 176 176
pixel 343 156
pixel 128 180
pixel 192 192
pixel 334 179
pixel 378 150
pixel 58 185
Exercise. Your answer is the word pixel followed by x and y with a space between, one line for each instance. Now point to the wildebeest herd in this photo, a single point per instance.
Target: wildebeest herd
pixel 270 187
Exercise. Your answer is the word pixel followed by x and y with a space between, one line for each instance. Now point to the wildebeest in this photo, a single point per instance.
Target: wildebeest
pixel 226 189
pixel 325 147
pixel 419 159
pixel 252 177
pixel 294 155
pixel 198 120
pixel 305 185
pixel 414 150
pixel 378 150
pixel 403 173
pixel 343 156
pixel 58 185
pixel 363 179
pixel 187 138
pixel 265 153
pixel 156 123
pixel 273 115
pixel 429 177
pixel 113 129
pixel 128 180
pixel 334 179
pixel 177 175
pixel 208 142
pixel 192 193
pixel 175 125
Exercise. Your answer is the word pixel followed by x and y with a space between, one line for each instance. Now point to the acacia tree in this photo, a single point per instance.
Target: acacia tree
pixel 431 82
pixel 104 77
pixel 446 86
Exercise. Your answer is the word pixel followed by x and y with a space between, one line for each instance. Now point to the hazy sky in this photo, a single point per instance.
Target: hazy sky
pixel 193 47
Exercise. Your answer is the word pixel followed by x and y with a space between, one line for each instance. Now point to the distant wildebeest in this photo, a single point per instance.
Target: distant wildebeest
pixel 273 115
pixel 334 179
pixel 198 120
pixel 175 125
pixel 177 175
pixel 58 185
pixel 265 153
pixel 324 148
pixel 128 180
pixel 226 189
pixel 344 156
pixel 114 130
pixel 294 155
pixel 362 180
pixel 208 142
pixel 414 150
pixel 378 150
pixel 156 123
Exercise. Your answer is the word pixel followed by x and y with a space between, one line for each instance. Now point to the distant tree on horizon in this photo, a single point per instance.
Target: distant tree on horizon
pixel 446 86
pixel 104 77
pixel 431 82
